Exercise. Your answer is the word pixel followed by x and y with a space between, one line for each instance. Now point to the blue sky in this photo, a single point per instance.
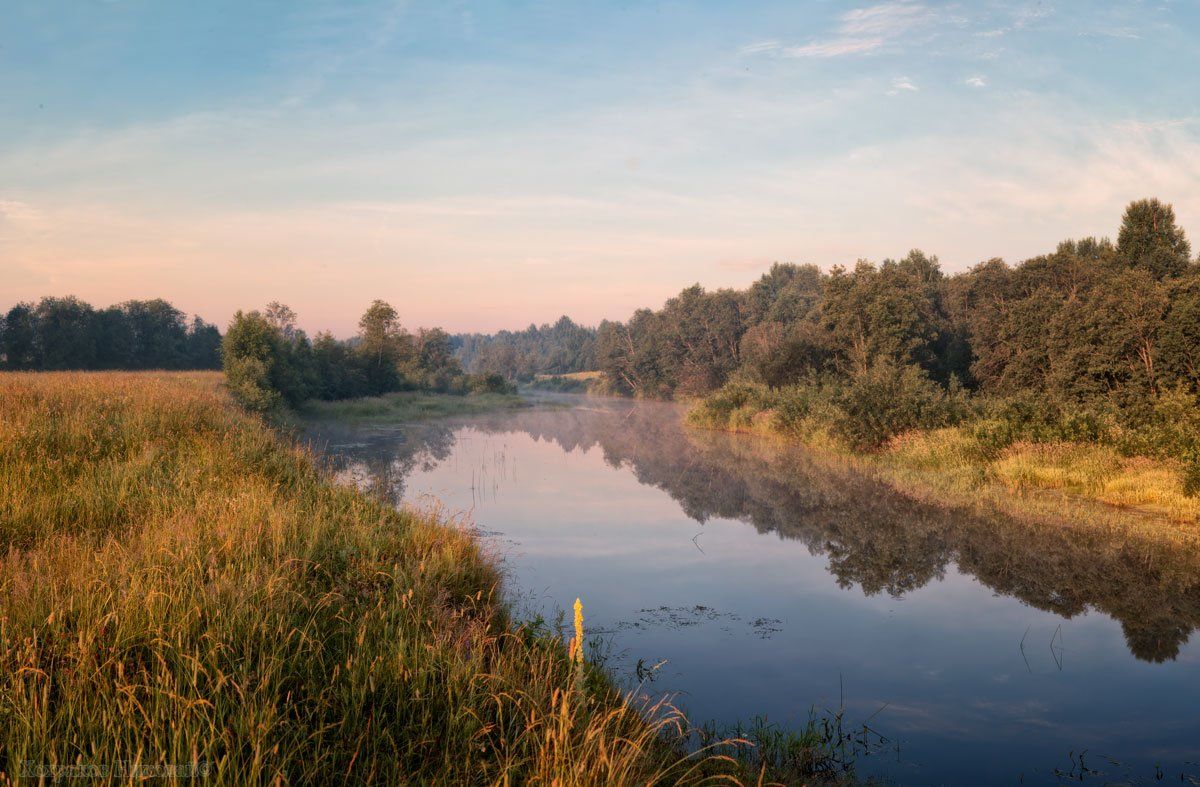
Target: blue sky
pixel 484 165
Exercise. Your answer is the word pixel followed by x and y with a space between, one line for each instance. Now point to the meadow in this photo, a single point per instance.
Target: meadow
pixel 185 592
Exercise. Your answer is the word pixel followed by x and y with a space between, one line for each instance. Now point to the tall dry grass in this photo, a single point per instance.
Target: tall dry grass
pixel 180 589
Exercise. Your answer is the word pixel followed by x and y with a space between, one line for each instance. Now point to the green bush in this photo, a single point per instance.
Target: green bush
pixel 886 399
pixel 252 356
pixel 1190 475
pixel 250 384
pixel 795 403
pixel 865 410
pixel 1082 426
pixel 489 383
pixel 993 435
pixel 719 407
pixel 1168 427
pixel 1002 422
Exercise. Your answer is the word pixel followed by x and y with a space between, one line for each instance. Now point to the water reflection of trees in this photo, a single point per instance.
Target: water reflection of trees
pixel 873 536
pixel 381 460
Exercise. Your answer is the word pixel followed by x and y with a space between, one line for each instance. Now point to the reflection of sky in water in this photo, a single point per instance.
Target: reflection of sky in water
pixel 977 686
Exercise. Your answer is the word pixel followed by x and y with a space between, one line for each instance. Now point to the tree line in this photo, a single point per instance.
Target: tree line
pixel 1067 341
pixel 1093 333
pixel 560 348
pixel 269 362
pixel 1092 319
pixel 67 333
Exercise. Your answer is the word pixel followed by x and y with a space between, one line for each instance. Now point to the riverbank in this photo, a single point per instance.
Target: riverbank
pixel 1062 482
pixel 185 593
pixel 408 406
pixel 572 382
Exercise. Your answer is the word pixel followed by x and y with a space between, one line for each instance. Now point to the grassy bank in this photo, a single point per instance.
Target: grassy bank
pixel 183 590
pixel 573 382
pixel 975 462
pixel 408 406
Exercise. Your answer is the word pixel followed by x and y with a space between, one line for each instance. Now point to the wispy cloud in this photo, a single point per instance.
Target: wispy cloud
pixel 835 48
pixel 885 19
pixel 762 47
pixel 327 41
pixel 1020 18
pixel 1013 192
pixel 866 30
pixel 21 216
pixel 420 161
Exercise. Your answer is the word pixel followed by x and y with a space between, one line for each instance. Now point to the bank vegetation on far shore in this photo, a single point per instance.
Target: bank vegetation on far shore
pixel 1024 457
pixel 407 406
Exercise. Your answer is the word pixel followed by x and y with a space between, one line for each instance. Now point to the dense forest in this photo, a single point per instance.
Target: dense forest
pixel 560 348
pixel 270 362
pixel 1091 320
pixel 66 333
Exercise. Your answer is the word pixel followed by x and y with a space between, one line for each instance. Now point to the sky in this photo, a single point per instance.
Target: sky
pixel 484 165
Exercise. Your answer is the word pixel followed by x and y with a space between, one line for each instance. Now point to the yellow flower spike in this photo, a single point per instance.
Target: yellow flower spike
pixel 578 650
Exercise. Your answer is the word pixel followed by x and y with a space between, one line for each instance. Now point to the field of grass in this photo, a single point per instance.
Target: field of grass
pixel 408 406
pixel 183 592
pixel 1066 482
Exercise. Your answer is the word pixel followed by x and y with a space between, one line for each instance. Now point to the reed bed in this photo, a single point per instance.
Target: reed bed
pixel 183 593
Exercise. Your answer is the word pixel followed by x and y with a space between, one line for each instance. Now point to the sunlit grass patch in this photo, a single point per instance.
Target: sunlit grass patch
pixel 1082 469
pixel 948 449
pixel 1100 473
pixel 1151 485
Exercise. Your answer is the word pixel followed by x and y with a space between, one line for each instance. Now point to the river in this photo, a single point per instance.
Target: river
pixel 747 578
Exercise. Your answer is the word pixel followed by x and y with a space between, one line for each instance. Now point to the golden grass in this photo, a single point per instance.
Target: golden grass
pixel 1099 473
pixel 181 589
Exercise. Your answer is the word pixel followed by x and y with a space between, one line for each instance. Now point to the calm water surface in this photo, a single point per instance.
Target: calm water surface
pixel 767 583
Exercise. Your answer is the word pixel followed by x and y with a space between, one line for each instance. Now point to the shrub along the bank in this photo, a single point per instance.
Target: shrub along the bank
pixel 863 410
pixel 886 399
